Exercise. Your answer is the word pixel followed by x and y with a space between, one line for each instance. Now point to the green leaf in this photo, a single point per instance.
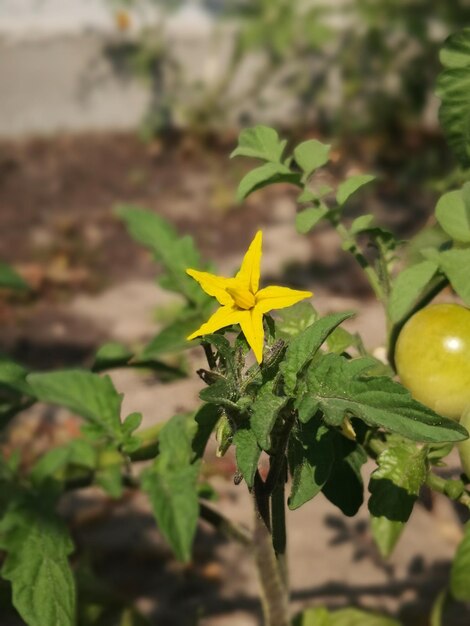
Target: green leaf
pixel 453 88
pixel 318 616
pixel 13 376
pixel 305 345
pixel 37 545
pixel 260 142
pixel 439 607
pixel 219 393
pixel 109 478
pixel 311 457
pixel 294 319
pixel 340 340
pixel 344 487
pixel 247 453
pixel 309 217
pixel 9 279
pixel 344 617
pixel 267 174
pixel 408 286
pixel 361 224
pixel 341 390
pixel 89 395
pixel 171 484
pixel 356 617
pixel 173 496
pixel 174 336
pixel 206 419
pixel 310 155
pixel 77 452
pixel 455 264
pixel 176 254
pixel 266 408
pixel 453 213
pixel 460 573
pixel 352 184
pixel 394 488
pixel 111 354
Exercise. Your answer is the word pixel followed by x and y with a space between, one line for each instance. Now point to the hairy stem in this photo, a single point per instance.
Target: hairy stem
pixel 272 577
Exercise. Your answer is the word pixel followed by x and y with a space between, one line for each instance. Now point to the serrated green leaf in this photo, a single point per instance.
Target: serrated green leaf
pixel 394 488
pixel 344 487
pixel 220 392
pixel 309 217
pixel 408 286
pixel 455 264
pixel 174 500
pixel 311 457
pixel 352 184
pixel 9 279
pixel 260 142
pixel 37 545
pixel 89 395
pixel 453 88
pixel 460 572
pixel 453 213
pixel 176 254
pixel 247 454
pixel 267 174
pixel 305 345
pixel 340 390
pixel 171 484
pixel 310 155
pixel 265 412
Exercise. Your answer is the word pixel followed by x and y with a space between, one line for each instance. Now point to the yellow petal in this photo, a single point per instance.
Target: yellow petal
pixel 225 316
pixel 213 285
pixel 251 323
pixel 271 298
pixel 250 269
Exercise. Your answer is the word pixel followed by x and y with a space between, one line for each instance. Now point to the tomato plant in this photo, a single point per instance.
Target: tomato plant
pixel 313 401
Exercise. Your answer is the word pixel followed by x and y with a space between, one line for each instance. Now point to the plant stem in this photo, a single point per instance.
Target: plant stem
pixel 439 484
pixel 221 523
pixel 272 575
pixel 278 524
pixel 369 271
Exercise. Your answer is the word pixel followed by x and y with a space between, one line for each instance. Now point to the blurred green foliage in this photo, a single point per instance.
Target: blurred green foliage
pixel 357 65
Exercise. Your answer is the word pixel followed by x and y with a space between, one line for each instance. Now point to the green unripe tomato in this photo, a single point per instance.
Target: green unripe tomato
pixel 464 447
pixel 433 358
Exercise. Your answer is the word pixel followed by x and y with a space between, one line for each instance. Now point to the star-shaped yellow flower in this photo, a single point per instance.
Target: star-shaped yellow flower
pixel 241 300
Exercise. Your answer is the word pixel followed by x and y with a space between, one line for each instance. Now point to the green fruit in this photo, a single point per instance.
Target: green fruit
pixel 433 358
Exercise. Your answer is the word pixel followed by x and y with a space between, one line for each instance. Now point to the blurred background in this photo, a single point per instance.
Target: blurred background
pixel 105 102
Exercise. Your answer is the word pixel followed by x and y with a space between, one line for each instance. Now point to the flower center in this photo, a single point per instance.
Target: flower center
pixel 242 297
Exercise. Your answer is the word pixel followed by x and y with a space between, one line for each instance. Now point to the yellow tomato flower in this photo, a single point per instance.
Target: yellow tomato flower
pixel 242 302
